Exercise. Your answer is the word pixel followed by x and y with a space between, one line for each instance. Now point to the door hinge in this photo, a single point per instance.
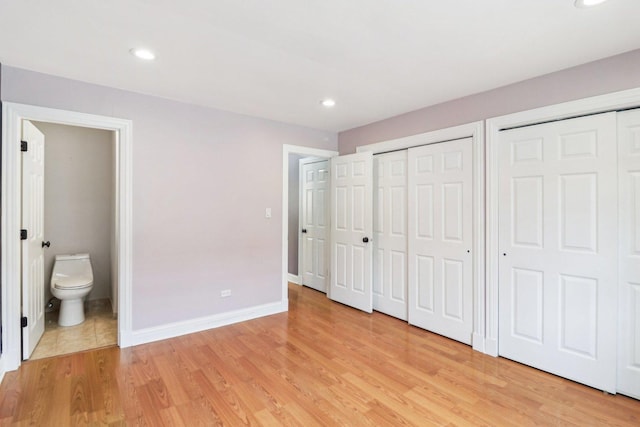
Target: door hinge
pixel 23 235
pixel 24 146
pixel 23 321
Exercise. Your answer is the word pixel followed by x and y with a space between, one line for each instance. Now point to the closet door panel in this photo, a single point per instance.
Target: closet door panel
pixel 440 202
pixel 390 234
pixel 557 237
pixel 629 253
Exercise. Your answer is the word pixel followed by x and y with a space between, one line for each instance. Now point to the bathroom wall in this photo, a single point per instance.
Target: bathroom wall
pixel 78 201
pixel 608 75
pixel 202 179
pixel 294 211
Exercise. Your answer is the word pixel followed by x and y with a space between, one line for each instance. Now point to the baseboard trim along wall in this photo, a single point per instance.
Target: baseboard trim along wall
pixel 177 329
pixel 491 347
pixel 294 279
pixel 477 341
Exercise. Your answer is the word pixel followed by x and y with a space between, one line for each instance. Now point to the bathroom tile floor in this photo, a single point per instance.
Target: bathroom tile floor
pixel 99 329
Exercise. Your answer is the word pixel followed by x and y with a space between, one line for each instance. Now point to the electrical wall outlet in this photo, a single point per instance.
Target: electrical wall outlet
pixel 225 293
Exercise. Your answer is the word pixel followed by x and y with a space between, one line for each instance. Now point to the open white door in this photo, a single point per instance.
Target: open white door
pixel 314 176
pixel 558 248
pixel 32 246
pixel 351 230
pixel 629 253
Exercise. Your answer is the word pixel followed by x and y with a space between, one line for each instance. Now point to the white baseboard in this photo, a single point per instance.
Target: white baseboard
pixel 477 341
pixel 491 347
pixel 293 278
pixel 177 329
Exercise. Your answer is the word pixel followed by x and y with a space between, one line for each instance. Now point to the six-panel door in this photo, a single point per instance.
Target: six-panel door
pixel 33 280
pixel 558 243
pixel 629 253
pixel 314 230
pixel 440 238
pixel 351 230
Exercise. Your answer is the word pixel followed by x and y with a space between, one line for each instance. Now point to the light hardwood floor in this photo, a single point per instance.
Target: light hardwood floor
pixel 319 364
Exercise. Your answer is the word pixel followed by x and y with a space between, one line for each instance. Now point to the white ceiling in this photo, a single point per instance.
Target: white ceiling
pixel 278 58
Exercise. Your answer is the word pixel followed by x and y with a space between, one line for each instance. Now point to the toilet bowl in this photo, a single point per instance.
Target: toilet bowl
pixel 71 281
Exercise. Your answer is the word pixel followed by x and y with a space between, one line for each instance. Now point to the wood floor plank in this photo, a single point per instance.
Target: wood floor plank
pixel 321 363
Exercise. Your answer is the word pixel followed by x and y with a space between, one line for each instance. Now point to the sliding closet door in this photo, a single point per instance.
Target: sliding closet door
pixel 629 253
pixel 558 243
pixel 440 238
pixel 390 233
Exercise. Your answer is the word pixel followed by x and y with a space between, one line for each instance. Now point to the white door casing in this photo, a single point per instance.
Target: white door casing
pixel 390 233
pixel 557 242
pixel 32 248
pixel 314 176
pixel 440 238
pixel 13 115
pixel 629 253
pixel 351 230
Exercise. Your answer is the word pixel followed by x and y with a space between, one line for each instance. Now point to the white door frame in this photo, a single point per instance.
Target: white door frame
pixel 12 116
pixel 304 151
pixel 597 104
pixel 475 131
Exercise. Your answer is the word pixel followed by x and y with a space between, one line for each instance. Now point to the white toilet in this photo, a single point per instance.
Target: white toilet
pixel 71 281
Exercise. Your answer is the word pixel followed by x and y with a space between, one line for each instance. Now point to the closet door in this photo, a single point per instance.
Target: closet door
pixel 314 198
pixel 558 243
pixel 440 238
pixel 629 253
pixel 351 230
pixel 390 233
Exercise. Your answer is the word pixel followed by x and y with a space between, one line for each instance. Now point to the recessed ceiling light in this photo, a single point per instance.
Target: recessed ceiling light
pixel 588 3
pixel 142 53
pixel 328 102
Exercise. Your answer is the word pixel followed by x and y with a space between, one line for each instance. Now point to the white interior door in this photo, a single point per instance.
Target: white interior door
pixel 441 238
pixel 558 243
pixel 629 253
pixel 314 176
pixel 32 249
pixel 351 230
pixel 390 233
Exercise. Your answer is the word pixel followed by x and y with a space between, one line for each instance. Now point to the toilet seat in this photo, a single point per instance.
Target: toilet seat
pixel 72 283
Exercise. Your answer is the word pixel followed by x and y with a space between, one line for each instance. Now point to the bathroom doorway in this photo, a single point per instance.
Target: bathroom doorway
pixel 13 115
pixel 291 238
pixel 79 217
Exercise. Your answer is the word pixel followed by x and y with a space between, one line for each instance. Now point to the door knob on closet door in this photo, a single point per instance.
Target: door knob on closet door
pixel 46 244
pixel 365 239
pixel 304 230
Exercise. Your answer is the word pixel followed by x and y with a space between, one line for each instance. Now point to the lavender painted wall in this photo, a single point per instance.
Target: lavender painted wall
pixel 202 179
pixel 608 75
